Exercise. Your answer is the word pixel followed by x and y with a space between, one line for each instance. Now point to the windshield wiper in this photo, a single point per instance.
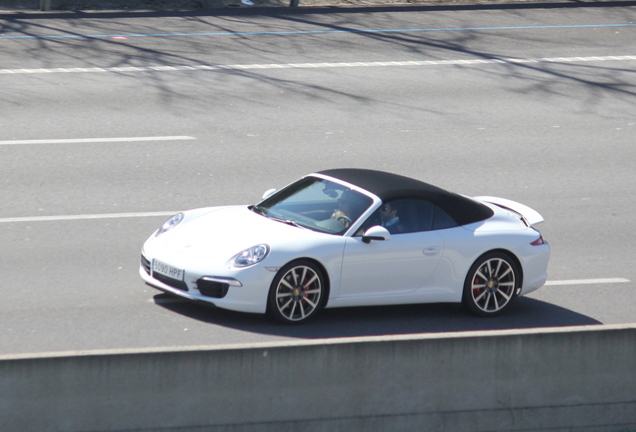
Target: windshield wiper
pixel 286 221
pixel 260 210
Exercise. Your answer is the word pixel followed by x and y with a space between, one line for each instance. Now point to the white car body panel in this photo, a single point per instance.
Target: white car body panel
pixel 203 247
pixel 532 216
pixel 400 265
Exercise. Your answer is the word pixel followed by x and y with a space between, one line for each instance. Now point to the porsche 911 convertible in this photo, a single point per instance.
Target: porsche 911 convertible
pixel 350 237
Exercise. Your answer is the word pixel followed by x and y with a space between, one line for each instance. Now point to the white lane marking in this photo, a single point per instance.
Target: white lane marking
pixel 170 213
pixel 587 281
pixel 96 140
pixel 85 217
pixel 176 68
pixel 169 300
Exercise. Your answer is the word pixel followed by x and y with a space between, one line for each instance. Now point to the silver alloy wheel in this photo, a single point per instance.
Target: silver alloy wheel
pixel 492 285
pixel 298 293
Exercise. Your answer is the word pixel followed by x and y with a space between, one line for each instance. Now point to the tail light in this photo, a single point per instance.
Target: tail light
pixel 539 241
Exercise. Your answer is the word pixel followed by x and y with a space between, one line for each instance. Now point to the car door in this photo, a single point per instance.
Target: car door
pixel 396 266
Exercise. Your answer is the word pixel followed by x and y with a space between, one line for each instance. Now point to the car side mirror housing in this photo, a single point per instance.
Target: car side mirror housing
pixel 268 193
pixel 376 233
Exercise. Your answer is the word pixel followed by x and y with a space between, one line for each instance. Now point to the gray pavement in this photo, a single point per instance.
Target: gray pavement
pixel 555 135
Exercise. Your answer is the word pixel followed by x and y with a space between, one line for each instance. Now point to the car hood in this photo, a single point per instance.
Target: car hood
pixel 222 232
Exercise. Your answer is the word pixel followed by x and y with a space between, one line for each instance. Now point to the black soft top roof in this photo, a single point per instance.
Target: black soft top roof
pixel 388 187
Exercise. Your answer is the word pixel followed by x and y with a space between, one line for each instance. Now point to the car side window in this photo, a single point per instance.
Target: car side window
pixel 442 220
pixel 421 215
pixel 402 216
pixel 408 216
pixel 414 215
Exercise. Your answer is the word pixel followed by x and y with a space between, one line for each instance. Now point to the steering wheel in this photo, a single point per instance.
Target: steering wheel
pixel 343 219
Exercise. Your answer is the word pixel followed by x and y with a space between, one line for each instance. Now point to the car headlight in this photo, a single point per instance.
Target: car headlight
pixel 251 256
pixel 169 224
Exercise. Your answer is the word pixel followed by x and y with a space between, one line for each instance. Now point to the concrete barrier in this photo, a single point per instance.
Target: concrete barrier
pixel 125 5
pixel 565 379
pixel 168 5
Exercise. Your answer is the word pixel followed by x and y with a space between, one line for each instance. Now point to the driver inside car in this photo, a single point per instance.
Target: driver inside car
pixel 349 208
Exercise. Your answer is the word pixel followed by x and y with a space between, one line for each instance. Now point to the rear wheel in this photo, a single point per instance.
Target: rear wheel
pixel 296 293
pixel 491 284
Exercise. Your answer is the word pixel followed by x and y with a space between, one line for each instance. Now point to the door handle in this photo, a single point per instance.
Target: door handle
pixel 431 251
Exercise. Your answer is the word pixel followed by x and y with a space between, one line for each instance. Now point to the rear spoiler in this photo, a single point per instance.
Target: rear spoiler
pixel 530 216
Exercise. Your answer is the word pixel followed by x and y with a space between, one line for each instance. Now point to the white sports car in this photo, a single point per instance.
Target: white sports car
pixel 350 237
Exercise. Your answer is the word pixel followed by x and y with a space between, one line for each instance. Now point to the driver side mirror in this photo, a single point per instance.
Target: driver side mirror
pixel 376 233
pixel 268 193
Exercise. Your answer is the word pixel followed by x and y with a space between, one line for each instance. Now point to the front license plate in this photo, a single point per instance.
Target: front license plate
pixel 167 270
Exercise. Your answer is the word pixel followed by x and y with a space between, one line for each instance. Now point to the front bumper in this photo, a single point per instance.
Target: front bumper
pixel 243 290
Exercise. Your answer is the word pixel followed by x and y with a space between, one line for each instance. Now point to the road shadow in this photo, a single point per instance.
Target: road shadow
pixel 109 13
pixel 96 43
pixel 524 313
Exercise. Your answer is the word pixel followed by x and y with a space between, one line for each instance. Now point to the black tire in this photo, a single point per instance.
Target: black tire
pixel 297 292
pixel 491 284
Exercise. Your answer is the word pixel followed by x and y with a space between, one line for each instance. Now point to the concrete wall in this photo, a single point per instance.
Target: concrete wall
pixel 558 379
pixel 159 5
pixel 128 5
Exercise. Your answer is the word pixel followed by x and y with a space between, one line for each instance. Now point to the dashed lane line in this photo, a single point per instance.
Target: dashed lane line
pixel 84 217
pixel 181 68
pixel 96 140
pixel 590 281
pixel 598 281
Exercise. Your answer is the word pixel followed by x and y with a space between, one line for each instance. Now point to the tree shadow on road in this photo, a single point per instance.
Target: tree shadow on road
pixel 87 40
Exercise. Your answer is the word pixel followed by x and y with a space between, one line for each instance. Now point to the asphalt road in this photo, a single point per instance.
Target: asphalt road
pixel 110 123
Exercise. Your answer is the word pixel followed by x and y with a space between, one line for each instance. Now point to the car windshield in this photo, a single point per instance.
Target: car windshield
pixel 316 204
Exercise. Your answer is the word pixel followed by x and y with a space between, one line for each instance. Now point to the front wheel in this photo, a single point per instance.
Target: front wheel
pixel 491 284
pixel 296 293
